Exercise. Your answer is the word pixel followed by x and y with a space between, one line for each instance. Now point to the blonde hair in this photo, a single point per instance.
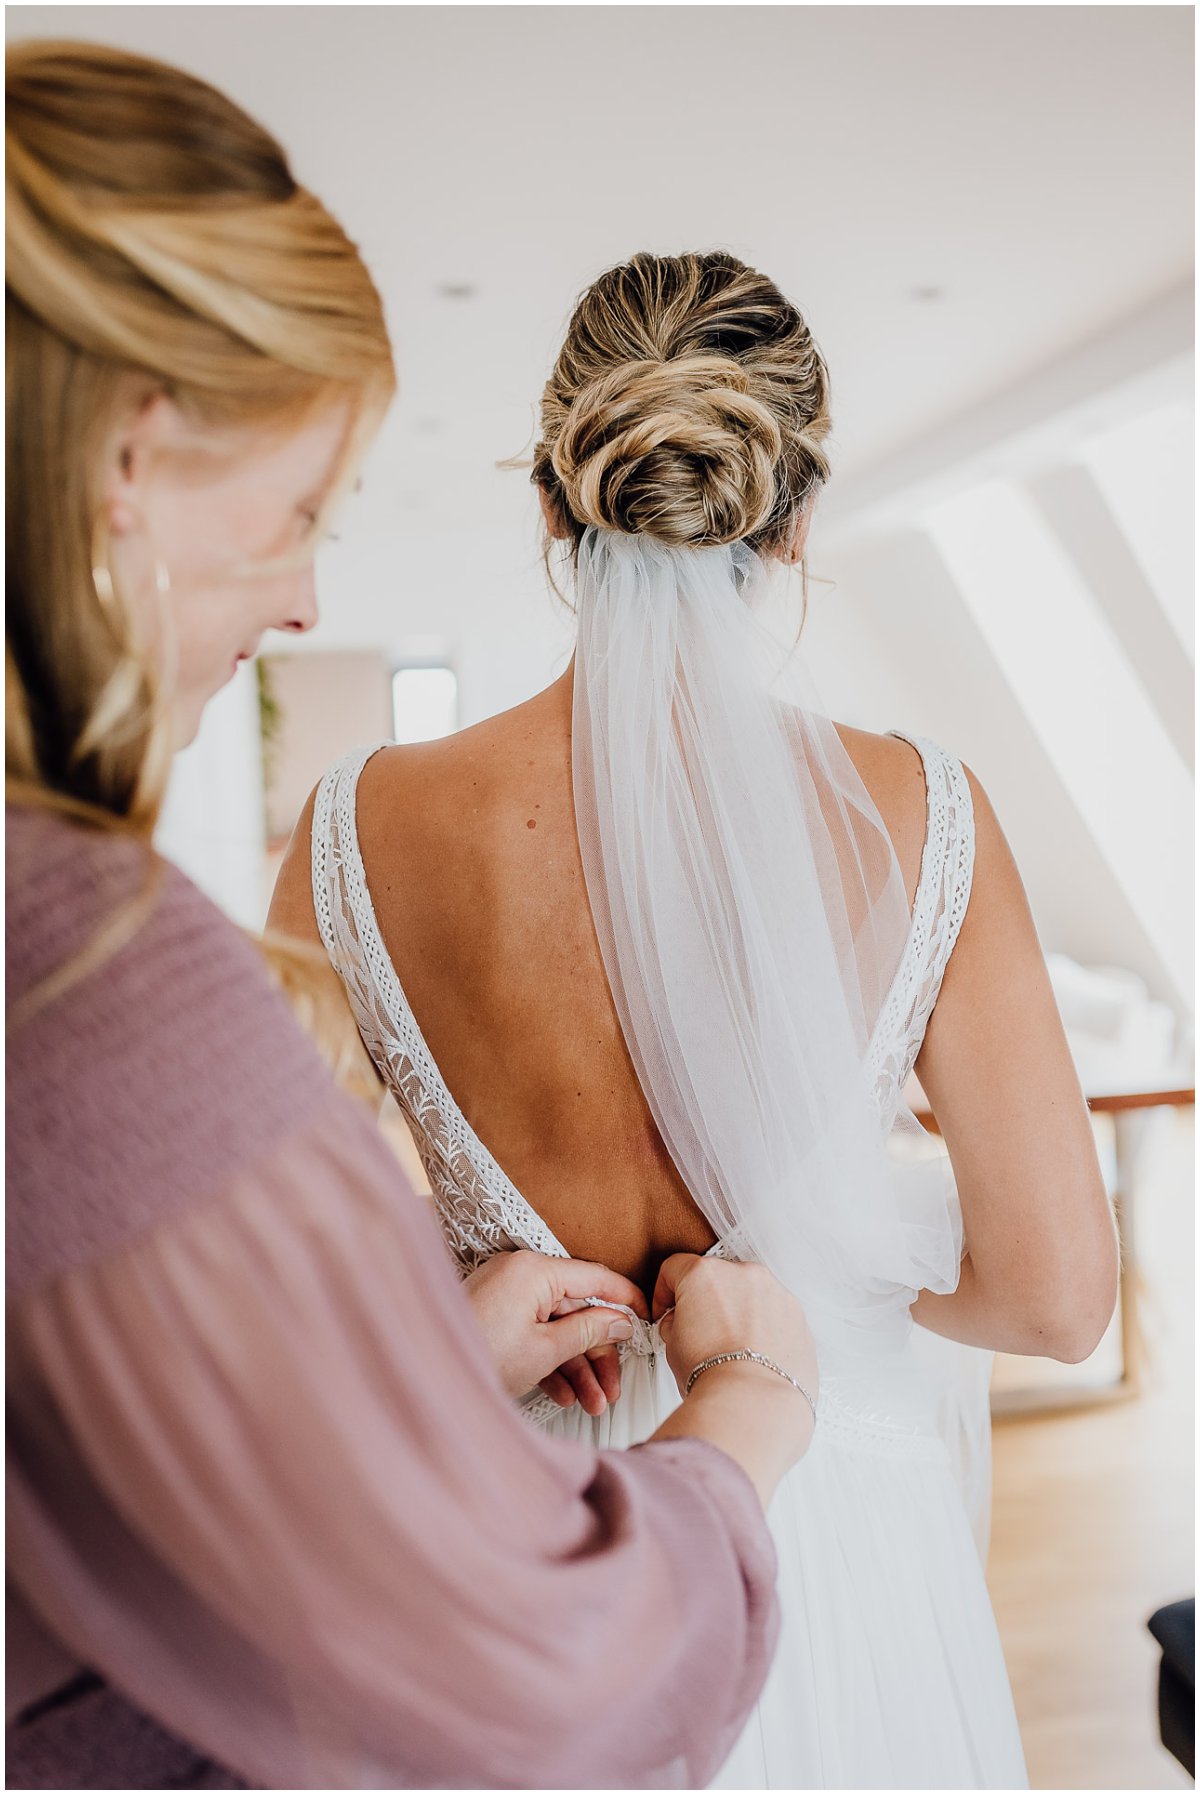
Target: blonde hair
pixel 157 241
pixel 689 403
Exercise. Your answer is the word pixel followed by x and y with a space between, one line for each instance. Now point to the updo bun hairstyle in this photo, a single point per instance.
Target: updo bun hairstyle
pixel 689 404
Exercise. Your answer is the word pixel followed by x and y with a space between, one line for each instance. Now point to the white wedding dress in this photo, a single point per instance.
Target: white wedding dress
pixel 889 1672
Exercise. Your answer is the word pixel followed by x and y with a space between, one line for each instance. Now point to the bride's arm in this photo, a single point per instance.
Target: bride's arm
pixel 1040 1274
pixel 292 912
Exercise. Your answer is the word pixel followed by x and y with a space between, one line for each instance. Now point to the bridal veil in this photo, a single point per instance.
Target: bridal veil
pixel 752 917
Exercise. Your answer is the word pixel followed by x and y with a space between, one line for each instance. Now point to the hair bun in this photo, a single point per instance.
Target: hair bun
pixel 679 450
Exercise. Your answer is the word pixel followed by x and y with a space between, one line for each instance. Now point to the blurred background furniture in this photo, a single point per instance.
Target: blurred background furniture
pixel 1133 1059
pixel 1174 1627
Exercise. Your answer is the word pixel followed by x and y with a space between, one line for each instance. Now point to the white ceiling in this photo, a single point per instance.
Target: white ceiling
pixel 1031 164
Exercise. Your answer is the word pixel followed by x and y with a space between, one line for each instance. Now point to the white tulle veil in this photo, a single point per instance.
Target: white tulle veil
pixel 752 917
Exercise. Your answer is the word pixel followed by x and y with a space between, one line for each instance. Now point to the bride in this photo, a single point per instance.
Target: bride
pixel 669 919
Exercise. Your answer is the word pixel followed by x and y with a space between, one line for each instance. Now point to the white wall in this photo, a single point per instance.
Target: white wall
pixel 213 821
pixel 477 597
pixel 326 704
pixel 933 674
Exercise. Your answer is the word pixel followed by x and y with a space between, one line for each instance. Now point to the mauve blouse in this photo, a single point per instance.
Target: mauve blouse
pixel 272 1520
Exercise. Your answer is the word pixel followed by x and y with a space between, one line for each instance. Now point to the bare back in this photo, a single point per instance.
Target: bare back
pixel 472 860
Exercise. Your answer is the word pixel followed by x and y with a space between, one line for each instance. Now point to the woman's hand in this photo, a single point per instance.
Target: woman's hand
pixel 710 1306
pixel 540 1330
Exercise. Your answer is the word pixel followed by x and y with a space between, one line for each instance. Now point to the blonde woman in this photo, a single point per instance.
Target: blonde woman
pixel 272 1519
pixel 701 935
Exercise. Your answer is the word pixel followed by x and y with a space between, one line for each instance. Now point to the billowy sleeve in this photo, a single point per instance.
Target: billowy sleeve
pixel 264 1479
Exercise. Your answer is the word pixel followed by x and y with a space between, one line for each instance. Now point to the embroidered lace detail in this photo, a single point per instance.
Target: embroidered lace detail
pixel 539 1409
pixel 849 1416
pixel 480 1209
pixel 943 890
pixel 854 1420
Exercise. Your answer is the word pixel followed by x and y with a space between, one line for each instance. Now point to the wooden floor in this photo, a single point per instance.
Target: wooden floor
pixel 1093 1525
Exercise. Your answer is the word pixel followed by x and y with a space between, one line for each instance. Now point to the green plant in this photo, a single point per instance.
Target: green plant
pixel 270 717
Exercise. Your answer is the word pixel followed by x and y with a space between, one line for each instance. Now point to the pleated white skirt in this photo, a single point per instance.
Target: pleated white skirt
pixel 889 1672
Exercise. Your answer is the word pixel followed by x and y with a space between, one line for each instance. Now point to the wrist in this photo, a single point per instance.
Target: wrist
pixel 749 1358
pixel 754 1417
pixel 770 1398
pixel 759 1393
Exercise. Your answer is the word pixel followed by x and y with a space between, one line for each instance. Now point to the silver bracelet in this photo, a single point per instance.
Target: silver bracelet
pixel 753 1358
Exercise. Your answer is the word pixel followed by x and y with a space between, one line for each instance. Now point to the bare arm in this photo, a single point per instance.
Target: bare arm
pixel 292 911
pixel 1040 1274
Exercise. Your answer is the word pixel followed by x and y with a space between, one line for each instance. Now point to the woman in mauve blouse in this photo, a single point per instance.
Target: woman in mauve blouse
pixel 272 1518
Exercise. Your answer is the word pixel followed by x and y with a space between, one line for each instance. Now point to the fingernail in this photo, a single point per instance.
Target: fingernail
pixel 620 1329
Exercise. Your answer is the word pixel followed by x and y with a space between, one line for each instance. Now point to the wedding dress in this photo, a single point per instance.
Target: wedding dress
pixel 889 1672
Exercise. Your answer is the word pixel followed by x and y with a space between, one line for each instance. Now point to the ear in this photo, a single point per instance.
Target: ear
pixel 791 549
pixel 555 522
pixel 152 424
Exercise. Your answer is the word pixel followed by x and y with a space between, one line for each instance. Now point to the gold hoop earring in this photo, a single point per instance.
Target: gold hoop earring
pixel 102 580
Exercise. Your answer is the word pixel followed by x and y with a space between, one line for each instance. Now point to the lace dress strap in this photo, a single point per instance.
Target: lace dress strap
pixel 943 891
pixel 480 1209
pixel 339 887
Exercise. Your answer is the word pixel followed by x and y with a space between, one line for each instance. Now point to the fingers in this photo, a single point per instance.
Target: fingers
pixel 572 1335
pixel 606 1367
pixel 558 1389
pixel 582 1379
pixel 580 1278
pixel 671 1274
pixel 593 1380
